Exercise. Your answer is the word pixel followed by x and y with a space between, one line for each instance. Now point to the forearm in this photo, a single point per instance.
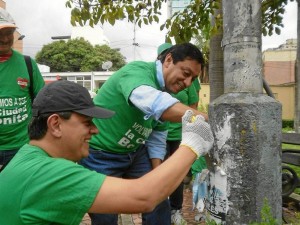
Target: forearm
pixel 158 184
pixel 143 194
pixel 176 111
pixel 155 162
pixel 164 179
pixel 194 106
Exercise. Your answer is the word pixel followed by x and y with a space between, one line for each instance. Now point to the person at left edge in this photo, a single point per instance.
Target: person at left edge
pixel 15 98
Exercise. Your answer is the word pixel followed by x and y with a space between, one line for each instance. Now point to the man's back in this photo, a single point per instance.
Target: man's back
pixel 127 129
pixel 40 187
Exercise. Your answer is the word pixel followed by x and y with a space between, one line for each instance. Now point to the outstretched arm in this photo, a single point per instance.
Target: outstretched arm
pixel 176 111
pixel 143 194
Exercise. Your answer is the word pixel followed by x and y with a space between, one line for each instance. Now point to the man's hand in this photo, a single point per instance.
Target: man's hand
pixel 196 133
pixel 204 115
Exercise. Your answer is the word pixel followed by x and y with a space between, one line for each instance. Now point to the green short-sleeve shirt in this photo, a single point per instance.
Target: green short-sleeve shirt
pixel 188 96
pixel 127 129
pixel 38 189
pixel 15 100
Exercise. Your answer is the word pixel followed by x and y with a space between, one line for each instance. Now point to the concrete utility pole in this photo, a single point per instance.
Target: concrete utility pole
pixel 246 124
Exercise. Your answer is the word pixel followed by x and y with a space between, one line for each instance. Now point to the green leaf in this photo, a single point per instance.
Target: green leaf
pixel 277 30
pixel 145 21
pixel 91 23
pixel 111 20
pixel 264 31
pixel 102 18
pixel 131 18
pixel 73 22
pixel 121 14
pixel 68 4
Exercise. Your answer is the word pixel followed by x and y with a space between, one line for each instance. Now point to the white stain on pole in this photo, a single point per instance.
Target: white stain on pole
pixel 223 133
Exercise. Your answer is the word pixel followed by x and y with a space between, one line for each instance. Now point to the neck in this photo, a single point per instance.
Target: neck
pixel 4 56
pixel 43 145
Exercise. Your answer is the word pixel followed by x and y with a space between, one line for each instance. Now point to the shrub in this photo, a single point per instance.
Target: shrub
pixel 288 124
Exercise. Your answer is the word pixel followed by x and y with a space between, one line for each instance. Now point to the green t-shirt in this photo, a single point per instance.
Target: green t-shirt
pixel 198 165
pixel 127 129
pixel 15 101
pixel 188 96
pixel 197 85
pixel 38 189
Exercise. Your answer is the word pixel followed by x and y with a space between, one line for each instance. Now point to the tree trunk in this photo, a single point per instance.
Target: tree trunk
pixel 216 61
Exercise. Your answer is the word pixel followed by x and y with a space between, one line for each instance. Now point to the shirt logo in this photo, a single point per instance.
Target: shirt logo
pixel 22 82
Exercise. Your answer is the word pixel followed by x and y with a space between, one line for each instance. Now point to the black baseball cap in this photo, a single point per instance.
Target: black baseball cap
pixel 64 96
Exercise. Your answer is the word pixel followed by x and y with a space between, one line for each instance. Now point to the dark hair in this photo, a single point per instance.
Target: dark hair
pixel 182 52
pixel 162 54
pixel 37 127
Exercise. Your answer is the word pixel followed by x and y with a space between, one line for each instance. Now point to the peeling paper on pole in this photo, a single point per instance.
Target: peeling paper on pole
pixel 217 203
pixel 222 134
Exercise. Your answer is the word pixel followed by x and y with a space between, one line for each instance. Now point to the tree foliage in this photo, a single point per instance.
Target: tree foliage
pixel 78 55
pixel 182 26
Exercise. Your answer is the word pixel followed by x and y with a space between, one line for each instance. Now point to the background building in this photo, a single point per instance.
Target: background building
pixel 94 34
pixel 279 63
pixel 90 80
pixel 279 72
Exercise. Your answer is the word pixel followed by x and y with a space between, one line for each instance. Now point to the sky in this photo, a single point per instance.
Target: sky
pixel 39 20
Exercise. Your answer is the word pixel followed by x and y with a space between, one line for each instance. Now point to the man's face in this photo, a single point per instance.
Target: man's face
pixel 6 40
pixel 76 134
pixel 180 75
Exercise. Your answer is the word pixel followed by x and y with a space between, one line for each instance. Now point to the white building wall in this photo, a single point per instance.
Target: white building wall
pixel 43 68
pixel 94 35
pixel 91 80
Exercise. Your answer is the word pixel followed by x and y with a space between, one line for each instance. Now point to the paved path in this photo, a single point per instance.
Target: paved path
pixel 136 219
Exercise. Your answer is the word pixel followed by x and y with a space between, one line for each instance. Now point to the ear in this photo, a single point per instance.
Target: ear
pixel 54 122
pixel 168 60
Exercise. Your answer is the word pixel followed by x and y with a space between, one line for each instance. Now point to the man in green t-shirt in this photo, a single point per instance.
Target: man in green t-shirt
pixel 140 94
pixel 43 184
pixel 15 97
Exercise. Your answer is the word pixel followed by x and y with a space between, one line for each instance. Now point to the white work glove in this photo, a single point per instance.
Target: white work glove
pixel 196 133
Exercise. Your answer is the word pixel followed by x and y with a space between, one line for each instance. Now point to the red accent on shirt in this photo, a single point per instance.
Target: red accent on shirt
pixel 5 57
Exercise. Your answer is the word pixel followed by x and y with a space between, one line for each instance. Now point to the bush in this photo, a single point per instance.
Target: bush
pixel 288 124
pixel 203 107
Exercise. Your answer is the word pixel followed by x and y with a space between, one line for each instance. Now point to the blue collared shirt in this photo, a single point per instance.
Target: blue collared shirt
pixel 153 103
